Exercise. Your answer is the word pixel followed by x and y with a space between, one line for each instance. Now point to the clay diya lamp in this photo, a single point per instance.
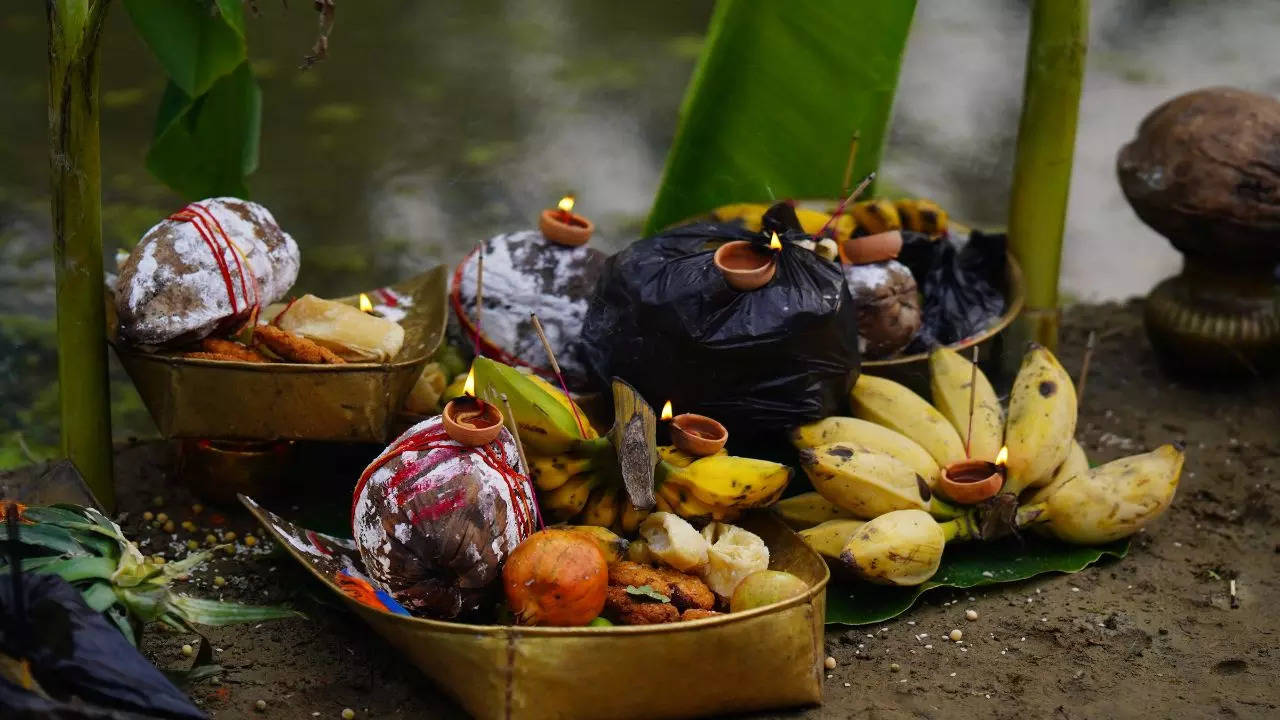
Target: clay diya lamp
pixel 470 421
pixel 747 266
pixel 562 227
pixel 971 481
pixel 698 435
pixel 869 249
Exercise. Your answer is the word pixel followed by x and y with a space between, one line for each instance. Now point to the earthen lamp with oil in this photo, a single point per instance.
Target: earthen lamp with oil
pixel 745 265
pixel 470 421
pixel 971 481
pixel 564 227
pixel 696 435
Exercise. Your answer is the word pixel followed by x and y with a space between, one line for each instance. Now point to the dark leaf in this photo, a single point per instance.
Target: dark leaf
pixel 964 566
pixel 81 568
pixel 779 93
pixel 206 146
pixel 214 612
pixel 197 41
pixel 50 537
pixel 99 595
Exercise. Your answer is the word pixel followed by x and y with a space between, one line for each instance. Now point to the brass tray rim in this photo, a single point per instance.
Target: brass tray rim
pixel 505 631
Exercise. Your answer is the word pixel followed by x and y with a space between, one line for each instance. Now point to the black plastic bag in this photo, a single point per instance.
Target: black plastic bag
pixel 664 319
pixel 963 287
pixel 76 653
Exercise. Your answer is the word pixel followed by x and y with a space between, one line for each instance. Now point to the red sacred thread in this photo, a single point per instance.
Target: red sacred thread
pixel 216 238
pixel 437 438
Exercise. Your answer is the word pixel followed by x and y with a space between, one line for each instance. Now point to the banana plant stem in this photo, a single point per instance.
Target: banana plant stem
pixel 75 28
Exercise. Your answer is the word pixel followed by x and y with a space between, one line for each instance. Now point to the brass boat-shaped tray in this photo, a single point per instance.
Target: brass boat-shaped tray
pixel 354 402
pixel 766 658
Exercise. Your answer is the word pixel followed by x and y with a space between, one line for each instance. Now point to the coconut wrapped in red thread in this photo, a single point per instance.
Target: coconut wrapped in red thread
pixel 204 268
pixel 434 520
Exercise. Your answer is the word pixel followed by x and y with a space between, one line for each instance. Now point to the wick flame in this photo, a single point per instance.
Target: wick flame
pixel 566 203
pixel 666 411
pixel 1003 456
pixel 469 387
pixel 365 305
pixel 775 243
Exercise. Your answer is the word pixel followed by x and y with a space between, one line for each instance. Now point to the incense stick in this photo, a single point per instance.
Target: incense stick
pixel 973 391
pixel 1084 368
pixel 555 366
pixel 524 462
pixel 840 208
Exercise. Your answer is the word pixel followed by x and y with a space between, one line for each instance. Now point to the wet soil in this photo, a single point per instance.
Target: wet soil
pixel 1157 634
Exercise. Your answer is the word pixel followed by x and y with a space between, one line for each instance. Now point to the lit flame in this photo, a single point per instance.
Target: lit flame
pixel 566 204
pixel 666 411
pixel 1003 456
pixel 365 305
pixel 469 387
pixel 775 243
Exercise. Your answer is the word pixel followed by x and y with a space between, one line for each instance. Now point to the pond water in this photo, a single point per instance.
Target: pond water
pixel 434 125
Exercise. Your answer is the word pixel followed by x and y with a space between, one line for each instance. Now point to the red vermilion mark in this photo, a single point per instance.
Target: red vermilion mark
pixel 216 238
pixel 314 539
pixel 435 510
pixel 388 297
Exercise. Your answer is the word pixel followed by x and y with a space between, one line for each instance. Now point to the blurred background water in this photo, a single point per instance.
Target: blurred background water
pixel 434 125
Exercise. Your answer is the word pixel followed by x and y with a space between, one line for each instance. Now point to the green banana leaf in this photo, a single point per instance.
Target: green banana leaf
pixel 778 96
pixel 964 566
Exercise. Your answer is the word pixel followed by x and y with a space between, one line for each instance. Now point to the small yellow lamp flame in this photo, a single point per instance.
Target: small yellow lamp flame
pixel 1003 456
pixel 666 411
pixel 774 243
pixel 469 387
pixel 365 304
pixel 566 204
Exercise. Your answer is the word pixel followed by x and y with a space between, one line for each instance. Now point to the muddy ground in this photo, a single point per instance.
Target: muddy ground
pixel 1157 634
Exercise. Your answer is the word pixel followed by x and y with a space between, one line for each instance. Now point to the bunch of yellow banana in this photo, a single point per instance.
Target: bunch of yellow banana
pixel 868 217
pixel 883 462
pixel 576 470
pixel 717 487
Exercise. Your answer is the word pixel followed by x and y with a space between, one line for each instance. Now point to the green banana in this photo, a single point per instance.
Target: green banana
pixel 949 377
pixel 868 436
pixel 547 426
pixel 807 510
pixel 867 484
pixel 1111 501
pixel 896 407
pixel 829 538
pixel 1042 421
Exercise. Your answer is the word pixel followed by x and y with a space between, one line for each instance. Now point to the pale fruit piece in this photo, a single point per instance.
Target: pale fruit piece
pixel 735 553
pixel 674 541
pixel 903 547
pixel 765 587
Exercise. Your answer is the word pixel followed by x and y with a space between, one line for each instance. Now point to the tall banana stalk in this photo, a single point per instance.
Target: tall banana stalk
pixel 75 28
pixel 1042 168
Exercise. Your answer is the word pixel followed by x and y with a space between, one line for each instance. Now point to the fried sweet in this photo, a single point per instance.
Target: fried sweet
pixel 685 591
pixel 293 348
pixel 233 349
pixel 628 610
pixel 205 355
pixel 698 614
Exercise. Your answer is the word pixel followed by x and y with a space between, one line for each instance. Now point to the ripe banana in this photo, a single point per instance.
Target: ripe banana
pixel 550 472
pixel 602 507
pixel 922 215
pixel 867 484
pixel 726 481
pixel 807 510
pixel 868 436
pixel 1114 500
pixel 1077 463
pixel 631 517
pixel 894 406
pixel 1042 421
pixel 949 376
pixel 828 539
pixel 566 501
pixel 903 547
pixel 876 216
pixel 611 544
